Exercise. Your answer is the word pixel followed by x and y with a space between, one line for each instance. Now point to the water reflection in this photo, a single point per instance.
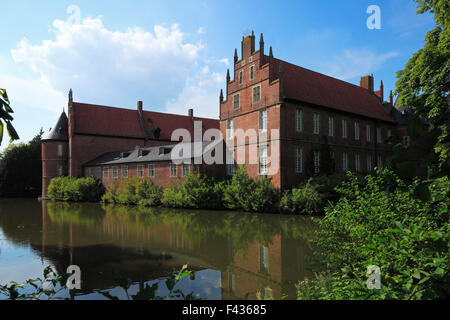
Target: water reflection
pixel 232 253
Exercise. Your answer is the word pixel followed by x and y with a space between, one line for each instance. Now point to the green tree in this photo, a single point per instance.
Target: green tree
pixel 6 118
pixel 21 169
pixel 424 83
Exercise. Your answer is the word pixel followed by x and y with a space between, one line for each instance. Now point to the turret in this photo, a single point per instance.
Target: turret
pixel 54 151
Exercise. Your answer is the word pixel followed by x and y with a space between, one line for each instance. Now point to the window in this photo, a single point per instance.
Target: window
pixel 406 141
pixel 380 162
pixel 344 128
pixel 60 150
pixel 331 126
pixel 299 160
pixel 257 94
pixel 357 130
pixel 230 128
pixel 389 135
pixel 173 170
pixel 98 173
pixel 316 120
pixel 151 170
pixel 60 170
pixel 264 258
pixel 241 77
pixel 357 163
pixel 345 161
pixel 368 132
pixel 263 120
pixel 87 172
pixel 369 163
pixel 186 170
pixel 263 160
pixel 252 72
pixel 236 100
pixel 140 171
pixel 299 120
pixel 316 161
pixel 125 172
pixel 115 172
pixel 378 135
pixel 230 169
pixel 105 173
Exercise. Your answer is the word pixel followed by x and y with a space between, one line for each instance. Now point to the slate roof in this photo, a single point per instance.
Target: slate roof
pixel 312 87
pixel 150 154
pixel 59 131
pixel 111 121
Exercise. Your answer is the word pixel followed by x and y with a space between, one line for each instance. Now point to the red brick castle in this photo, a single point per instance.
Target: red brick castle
pixel 322 124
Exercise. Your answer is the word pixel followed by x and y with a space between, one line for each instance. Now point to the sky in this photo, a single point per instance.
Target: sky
pixel 173 55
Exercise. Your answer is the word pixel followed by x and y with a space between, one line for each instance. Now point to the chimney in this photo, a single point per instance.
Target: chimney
pixel 261 50
pixel 191 113
pixel 367 83
pixel 391 98
pixel 382 91
pixel 248 46
pixel 139 106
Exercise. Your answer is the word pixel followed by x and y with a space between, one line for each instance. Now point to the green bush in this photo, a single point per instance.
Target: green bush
pixel 195 191
pixel 134 191
pixel 252 195
pixel 75 189
pixel 304 200
pixel 384 223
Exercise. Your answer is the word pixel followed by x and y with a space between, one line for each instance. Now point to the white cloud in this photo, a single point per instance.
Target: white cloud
pixel 201 93
pixel 201 30
pixel 355 63
pixel 225 61
pixel 108 66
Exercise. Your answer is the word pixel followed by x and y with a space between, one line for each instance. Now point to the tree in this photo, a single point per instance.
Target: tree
pixel 425 82
pixel 21 169
pixel 5 117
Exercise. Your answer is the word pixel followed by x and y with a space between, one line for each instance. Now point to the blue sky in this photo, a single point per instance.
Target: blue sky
pixel 173 55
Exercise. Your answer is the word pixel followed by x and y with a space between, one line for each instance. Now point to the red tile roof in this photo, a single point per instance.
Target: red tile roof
pixel 111 121
pixel 312 87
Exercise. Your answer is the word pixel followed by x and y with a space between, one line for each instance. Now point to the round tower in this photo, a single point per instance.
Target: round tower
pixel 55 152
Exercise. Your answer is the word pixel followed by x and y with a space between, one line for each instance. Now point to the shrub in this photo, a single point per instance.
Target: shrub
pixel 252 195
pixel 195 191
pixel 134 191
pixel 384 223
pixel 303 200
pixel 75 189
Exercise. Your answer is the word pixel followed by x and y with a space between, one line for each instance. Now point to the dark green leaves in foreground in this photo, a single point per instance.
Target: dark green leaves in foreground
pixel 6 118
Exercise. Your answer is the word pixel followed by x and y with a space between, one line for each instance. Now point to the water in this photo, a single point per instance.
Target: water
pixel 231 253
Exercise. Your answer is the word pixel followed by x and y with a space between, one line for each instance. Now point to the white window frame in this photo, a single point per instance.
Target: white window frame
pixel 238 101
pixel 263 120
pixel 263 170
pixel 230 169
pixel 316 162
pixel 186 172
pixel 357 131
pixel 299 160
pixel 299 120
pixel 316 123
pixel 230 128
pixel 151 170
pixel 140 171
pixel 115 172
pixel 124 172
pixel 253 94
pixel 358 162
pixel 173 170
pixel 60 150
pixel 251 72
pixel 98 173
pixel 105 172
pixel 331 126
pixel 344 129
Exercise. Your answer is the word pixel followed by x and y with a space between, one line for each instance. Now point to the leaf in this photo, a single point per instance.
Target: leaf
pixel 1 132
pixel 148 293
pixel 422 192
pixel 11 131
pixel 170 283
pixel 414 128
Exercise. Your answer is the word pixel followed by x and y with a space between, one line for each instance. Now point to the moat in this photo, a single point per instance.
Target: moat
pixel 231 253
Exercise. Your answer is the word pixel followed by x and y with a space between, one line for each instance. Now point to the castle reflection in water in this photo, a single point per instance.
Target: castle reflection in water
pixel 242 252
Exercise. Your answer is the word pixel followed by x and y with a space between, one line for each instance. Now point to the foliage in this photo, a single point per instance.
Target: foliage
pixel 134 191
pixel 251 195
pixel 75 189
pixel 6 118
pixel 194 191
pixel 21 169
pixel 382 223
pixel 53 286
pixel 303 200
pixel 424 83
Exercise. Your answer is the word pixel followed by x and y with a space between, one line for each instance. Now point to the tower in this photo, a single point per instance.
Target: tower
pixel 55 150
